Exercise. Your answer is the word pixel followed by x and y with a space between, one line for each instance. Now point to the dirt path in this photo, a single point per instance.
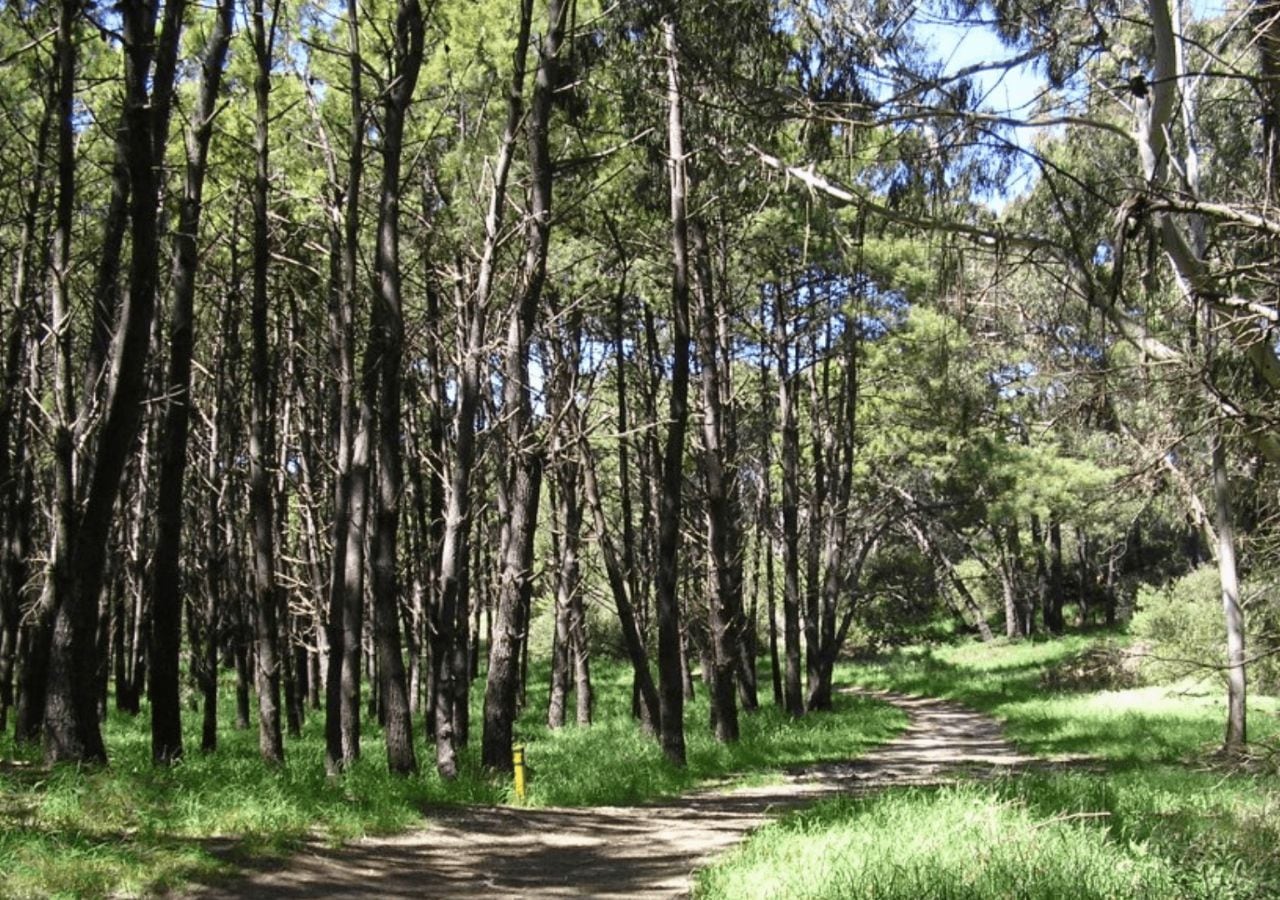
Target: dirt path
pixel 615 852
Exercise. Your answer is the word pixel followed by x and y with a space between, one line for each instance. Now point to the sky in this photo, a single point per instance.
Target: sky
pixel 1013 91
pixel 963 45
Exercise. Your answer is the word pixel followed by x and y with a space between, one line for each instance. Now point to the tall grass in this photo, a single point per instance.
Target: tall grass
pixel 132 828
pixel 1147 812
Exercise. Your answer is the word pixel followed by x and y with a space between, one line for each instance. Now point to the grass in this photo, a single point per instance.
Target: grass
pixel 628 768
pixel 131 829
pixel 1150 812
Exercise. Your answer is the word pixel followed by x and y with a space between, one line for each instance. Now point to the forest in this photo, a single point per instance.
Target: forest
pixel 392 385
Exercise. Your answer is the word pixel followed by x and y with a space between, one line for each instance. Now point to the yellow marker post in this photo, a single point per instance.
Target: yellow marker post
pixel 517 760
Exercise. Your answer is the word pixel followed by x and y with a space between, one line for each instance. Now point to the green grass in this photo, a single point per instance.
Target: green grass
pixel 1145 811
pixel 1137 725
pixel 612 763
pixel 131 828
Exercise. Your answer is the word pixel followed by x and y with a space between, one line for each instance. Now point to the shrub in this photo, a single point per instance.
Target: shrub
pixel 1183 622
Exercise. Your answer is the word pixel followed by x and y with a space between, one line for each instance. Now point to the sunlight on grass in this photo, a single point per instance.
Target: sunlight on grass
pixel 1152 814
pixel 132 828
pixel 1030 837
pixel 614 763
pixel 1156 723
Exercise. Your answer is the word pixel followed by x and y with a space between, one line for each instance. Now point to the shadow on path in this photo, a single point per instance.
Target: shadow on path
pixel 615 852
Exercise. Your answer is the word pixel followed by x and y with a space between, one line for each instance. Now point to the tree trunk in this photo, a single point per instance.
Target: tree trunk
pixel 717 477
pixel 632 638
pixel 640 707
pixel 15 481
pixel 792 698
pixel 1233 613
pixel 167 595
pixel 71 728
pixel 558 695
pixel 570 641
pixel 525 466
pixel 503 676
pixel 765 519
pixel 449 657
pixel 387 348
pixel 343 631
pixel 670 655
pixel 262 425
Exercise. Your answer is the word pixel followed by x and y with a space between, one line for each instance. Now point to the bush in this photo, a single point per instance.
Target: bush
pixel 604 633
pixel 1183 622
pixel 1102 667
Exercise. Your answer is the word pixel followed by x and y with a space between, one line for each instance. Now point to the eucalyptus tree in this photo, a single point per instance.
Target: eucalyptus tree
pixel 1141 77
pixel 1175 196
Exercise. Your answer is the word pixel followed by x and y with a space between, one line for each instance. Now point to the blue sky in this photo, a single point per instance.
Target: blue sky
pixel 963 45
pixel 1012 91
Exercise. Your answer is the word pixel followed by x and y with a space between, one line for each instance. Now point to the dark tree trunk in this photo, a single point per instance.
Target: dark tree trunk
pixel 631 638
pixel 387 348
pixel 639 706
pixel 1085 577
pixel 33 675
pixel 167 595
pixel 241 660
pixel 670 654
pixel 815 527
pixel 524 469
pixel 262 426
pixel 1053 619
pixel 765 523
pixel 557 695
pixel 717 478
pixel 15 482
pixel 205 638
pixel 17 547
pixel 503 676
pixel 569 649
pixel 343 632
pixel 66 734
pixel 1042 573
pixel 71 728
pixel 451 669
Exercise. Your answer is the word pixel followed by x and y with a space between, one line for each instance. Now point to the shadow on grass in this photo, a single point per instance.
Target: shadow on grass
pixel 131 827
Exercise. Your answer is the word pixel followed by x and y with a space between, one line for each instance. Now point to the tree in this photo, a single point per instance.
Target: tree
pixel 78 558
pixel 385 355
pixel 166 624
pixel 523 475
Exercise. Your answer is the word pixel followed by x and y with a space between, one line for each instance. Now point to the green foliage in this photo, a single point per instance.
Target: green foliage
pixel 604 634
pixel 1183 623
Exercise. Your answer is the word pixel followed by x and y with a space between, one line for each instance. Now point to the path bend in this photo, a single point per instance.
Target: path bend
pixel 646 851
